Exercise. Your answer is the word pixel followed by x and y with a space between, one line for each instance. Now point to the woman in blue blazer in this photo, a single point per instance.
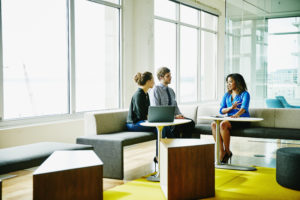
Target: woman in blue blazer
pixel 235 103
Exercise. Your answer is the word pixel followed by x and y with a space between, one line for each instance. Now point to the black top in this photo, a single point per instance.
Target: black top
pixel 138 109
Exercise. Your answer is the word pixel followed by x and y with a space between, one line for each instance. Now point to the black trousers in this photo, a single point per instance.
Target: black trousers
pixel 179 131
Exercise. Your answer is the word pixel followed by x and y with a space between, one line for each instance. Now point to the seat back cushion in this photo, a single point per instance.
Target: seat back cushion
pixel 268 114
pixel 189 111
pixel 110 122
pixel 207 110
pixel 287 118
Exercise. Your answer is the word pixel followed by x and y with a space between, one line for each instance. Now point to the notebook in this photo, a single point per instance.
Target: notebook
pixel 161 113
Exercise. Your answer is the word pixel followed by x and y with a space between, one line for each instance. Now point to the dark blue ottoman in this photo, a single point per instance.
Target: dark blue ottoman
pixel 288 167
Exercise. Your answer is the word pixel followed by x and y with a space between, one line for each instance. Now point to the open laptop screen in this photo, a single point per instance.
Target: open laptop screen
pixel 161 113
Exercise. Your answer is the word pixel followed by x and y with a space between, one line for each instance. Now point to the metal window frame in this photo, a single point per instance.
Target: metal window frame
pixel 199 28
pixel 72 114
pixel 1 67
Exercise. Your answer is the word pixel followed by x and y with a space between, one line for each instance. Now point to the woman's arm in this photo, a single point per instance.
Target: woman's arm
pixel 239 113
pixel 234 106
pixel 244 106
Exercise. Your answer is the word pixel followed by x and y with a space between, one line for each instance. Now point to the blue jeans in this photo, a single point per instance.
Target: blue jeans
pixel 137 127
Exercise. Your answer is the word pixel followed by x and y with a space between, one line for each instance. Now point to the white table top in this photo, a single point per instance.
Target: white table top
pixel 175 122
pixel 239 119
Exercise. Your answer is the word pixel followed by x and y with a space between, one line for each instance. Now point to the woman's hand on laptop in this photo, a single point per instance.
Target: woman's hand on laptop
pixel 179 117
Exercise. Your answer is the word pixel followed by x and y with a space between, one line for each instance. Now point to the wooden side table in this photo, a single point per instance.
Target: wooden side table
pixel 69 175
pixel 187 168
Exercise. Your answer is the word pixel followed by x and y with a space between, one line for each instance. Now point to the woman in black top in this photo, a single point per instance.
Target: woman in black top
pixel 138 110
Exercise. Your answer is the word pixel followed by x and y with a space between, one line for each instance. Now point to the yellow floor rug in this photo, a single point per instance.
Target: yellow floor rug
pixel 230 184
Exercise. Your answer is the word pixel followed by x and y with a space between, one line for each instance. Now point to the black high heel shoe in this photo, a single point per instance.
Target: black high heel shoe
pixel 155 163
pixel 227 157
pixel 155 159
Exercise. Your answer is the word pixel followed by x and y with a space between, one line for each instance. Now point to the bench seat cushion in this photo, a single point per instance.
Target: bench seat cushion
pixel 125 138
pixel 109 147
pixel 31 155
pixel 257 132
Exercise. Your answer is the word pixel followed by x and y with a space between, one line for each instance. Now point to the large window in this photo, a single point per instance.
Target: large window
pixel 165 47
pixel 97 56
pixel 35 58
pixel 59 57
pixel 186 42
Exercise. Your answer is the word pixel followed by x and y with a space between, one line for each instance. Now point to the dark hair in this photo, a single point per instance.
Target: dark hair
pixel 161 72
pixel 141 79
pixel 239 82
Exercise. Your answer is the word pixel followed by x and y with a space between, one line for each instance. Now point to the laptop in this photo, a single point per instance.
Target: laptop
pixel 161 113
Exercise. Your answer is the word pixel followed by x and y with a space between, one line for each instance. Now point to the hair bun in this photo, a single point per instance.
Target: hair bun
pixel 138 77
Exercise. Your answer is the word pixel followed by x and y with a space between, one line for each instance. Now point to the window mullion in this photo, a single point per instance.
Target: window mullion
pixel 72 68
pixel 178 53
pixel 121 89
pixel 199 60
pixel 1 69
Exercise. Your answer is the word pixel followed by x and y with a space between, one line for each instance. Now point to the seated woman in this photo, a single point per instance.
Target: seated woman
pixel 235 103
pixel 138 110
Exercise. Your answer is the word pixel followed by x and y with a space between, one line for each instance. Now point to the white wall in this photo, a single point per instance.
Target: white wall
pixel 138 56
pixel 62 131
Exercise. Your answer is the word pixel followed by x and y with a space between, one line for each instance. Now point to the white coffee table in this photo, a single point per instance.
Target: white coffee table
pixel 218 120
pixel 159 126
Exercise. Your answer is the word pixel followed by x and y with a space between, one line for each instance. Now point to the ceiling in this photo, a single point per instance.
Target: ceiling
pixel 262 8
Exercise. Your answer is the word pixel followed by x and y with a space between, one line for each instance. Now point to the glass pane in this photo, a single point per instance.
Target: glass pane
pixel 208 66
pixel 165 48
pixel 245 46
pixel 165 8
pixel 35 56
pixel 97 56
pixel 209 21
pixel 188 64
pixel 188 15
pixel 283 66
pixel 284 25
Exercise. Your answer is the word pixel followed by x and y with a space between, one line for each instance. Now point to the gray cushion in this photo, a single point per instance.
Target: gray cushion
pixel 126 138
pixel 31 155
pixel 111 121
pixel 109 147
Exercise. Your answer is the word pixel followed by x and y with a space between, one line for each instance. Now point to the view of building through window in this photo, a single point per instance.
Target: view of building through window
pixel 284 57
pixel 264 46
pixel 266 53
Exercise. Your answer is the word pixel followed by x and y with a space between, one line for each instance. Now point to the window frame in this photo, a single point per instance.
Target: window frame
pixel 199 29
pixel 72 114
